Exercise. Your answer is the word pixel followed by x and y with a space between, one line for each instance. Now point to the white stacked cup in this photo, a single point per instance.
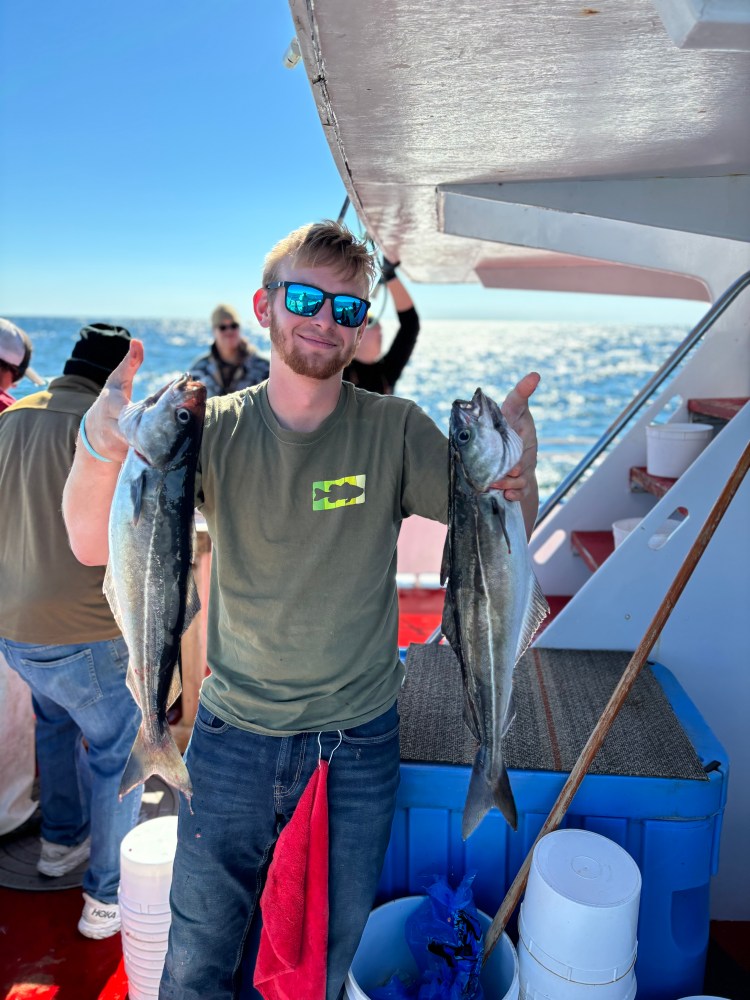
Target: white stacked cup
pixel 146 858
pixel 578 921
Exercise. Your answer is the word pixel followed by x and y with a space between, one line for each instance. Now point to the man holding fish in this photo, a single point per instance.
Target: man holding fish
pixel 293 475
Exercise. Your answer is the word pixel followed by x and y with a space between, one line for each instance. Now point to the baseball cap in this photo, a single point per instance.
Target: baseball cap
pixel 15 349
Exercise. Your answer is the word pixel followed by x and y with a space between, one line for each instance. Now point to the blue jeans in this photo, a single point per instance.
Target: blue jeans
pixel 79 693
pixel 245 789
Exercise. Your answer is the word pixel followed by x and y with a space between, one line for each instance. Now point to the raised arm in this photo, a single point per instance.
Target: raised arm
pixel 520 483
pixel 88 492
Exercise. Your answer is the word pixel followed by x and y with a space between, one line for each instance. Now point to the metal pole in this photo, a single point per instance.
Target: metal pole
pixel 638 401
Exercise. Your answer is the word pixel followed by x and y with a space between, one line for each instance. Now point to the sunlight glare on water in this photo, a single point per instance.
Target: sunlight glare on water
pixel 589 371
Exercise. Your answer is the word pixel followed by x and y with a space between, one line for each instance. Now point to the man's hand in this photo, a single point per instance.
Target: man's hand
pixel 102 428
pixel 520 483
pixel 91 484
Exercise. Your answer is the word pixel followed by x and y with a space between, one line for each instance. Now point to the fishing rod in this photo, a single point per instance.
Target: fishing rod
pixel 619 695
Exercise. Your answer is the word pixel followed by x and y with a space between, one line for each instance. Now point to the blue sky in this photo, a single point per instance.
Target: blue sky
pixel 154 150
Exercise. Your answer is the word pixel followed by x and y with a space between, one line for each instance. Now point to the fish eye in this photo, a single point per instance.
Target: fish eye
pixel 463 436
pixel 183 416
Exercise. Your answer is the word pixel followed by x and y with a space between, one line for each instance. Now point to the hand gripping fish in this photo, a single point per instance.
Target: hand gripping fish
pixel 493 602
pixel 149 583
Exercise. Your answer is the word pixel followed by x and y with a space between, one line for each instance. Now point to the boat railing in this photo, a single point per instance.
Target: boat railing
pixel 642 397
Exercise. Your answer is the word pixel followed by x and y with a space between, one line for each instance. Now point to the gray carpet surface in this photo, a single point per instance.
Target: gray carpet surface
pixel 19 850
pixel 559 696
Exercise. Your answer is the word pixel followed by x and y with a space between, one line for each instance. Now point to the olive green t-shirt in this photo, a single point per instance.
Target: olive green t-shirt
pixel 46 596
pixel 303 612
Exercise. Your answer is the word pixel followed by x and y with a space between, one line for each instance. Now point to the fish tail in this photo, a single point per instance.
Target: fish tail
pixel 162 758
pixel 484 795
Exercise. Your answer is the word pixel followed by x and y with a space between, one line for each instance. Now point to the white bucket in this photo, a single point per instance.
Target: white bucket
pixel 383 952
pixel 622 528
pixel 143 967
pixel 672 448
pixel 146 858
pixel 142 925
pixel 579 916
pixel 538 983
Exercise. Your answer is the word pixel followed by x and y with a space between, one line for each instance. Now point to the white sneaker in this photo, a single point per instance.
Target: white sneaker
pixel 99 920
pixel 57 859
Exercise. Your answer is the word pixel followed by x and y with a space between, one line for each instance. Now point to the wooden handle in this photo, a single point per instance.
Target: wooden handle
pixel 619 695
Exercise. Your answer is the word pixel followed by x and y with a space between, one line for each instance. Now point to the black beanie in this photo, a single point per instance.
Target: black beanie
pixel 99 350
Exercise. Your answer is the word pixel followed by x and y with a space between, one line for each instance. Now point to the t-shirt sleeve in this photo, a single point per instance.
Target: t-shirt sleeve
pixel 425 480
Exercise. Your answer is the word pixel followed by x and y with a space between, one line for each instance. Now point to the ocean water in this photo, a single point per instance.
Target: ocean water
pixel 589 372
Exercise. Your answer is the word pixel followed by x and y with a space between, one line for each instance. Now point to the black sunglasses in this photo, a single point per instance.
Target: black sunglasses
pixel 227 326
pixel 307 300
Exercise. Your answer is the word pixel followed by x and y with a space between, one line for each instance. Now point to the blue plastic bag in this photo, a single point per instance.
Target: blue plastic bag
pixel 445 937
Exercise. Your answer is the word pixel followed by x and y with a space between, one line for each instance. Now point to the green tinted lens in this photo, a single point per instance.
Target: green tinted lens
pixel 304 300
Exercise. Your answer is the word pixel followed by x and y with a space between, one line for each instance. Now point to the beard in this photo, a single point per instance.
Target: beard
pixel 312 365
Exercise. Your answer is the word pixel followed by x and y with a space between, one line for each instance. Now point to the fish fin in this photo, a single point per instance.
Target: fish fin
pixel 110 592
pixel 445 565
pixel 192 600
pixel 500 511
pixel 132 685
pixel 508 718
pixel 483 796
pixel 175 688
pixel 136 495
pixel 162 758
pixel 536 612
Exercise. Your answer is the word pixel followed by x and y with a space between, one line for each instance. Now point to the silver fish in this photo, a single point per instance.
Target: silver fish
pixel 149 583
pixel 493 602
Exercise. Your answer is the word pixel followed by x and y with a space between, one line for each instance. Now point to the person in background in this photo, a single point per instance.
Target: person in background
pixel 294 475
pixel 232 363
pixel 15 354
pixel 57 632
pixel 17 762
pixel 369 370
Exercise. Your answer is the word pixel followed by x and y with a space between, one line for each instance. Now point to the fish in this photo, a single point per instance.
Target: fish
pixel 337 492
pixel 493 602
pixel 149 581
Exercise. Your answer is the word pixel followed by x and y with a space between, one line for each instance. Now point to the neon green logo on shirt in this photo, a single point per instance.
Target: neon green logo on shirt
pixel 344 492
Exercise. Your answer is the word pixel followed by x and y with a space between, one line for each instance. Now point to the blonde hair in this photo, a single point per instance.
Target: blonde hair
pixel 324 244
pixel 223 311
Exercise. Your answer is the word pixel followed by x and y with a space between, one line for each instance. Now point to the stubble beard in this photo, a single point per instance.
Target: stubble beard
pixel 312 366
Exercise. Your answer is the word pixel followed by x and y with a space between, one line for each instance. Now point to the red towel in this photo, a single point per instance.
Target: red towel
pixel 293 950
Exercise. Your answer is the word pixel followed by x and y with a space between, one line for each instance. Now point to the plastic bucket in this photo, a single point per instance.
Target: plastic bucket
pixel 621 529
pixel 672 448
pixel 144 909
pixel 579 915
pixel 383 952
pixel 149 969
pixel 146 858
pixel 141 924
pixel 539 983
pixel 143 945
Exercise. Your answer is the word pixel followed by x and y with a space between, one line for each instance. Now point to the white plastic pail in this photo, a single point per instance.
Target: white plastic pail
pixel 579 916
pixel 622 528
pixel 146 857
pixel 538 983
pixel 383 952
pixel 672 448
